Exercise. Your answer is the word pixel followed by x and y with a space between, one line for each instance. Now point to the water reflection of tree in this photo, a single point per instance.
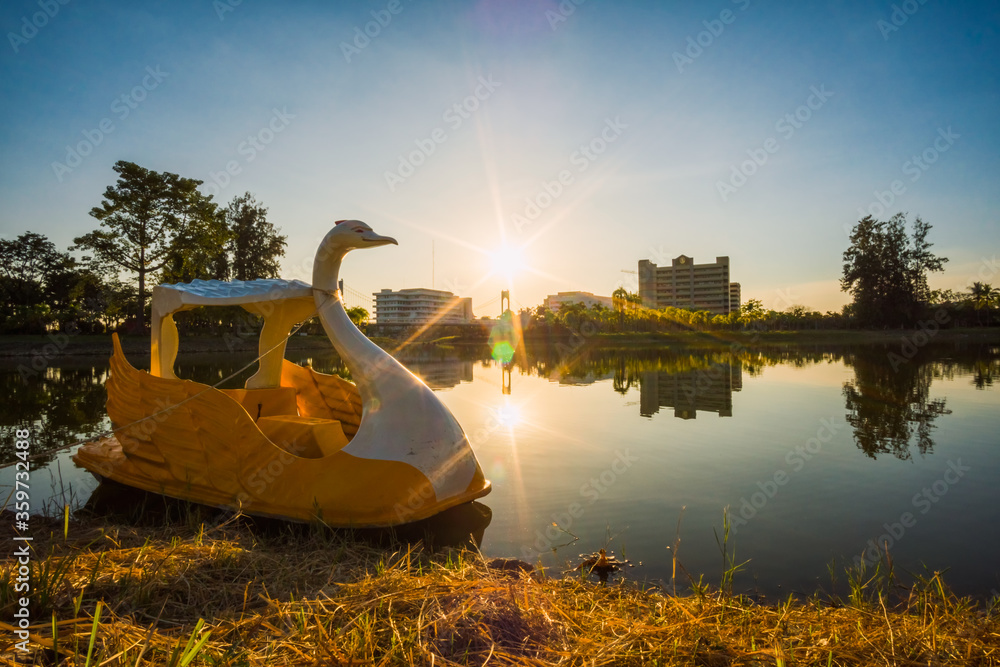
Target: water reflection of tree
pixel 627 365
pixel 59 405
pixel 983 372
pixel 890 409
pixel 625 377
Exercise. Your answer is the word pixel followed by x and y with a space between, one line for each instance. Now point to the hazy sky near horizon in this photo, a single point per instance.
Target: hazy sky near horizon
pixel 585 136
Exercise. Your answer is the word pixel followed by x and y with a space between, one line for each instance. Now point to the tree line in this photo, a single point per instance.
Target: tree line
pixel 886 269
pixel 155 227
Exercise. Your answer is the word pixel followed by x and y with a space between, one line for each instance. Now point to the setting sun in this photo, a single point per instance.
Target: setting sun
pixel 507 261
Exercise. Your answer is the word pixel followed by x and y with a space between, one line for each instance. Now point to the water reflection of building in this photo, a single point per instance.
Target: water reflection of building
pixel 442 373
pixel 707 389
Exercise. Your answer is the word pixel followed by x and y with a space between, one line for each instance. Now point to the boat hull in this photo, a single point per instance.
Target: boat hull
pixel 106 459
pixel 282 452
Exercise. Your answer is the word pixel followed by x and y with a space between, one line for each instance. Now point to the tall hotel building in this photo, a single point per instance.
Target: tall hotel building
pixel 685 284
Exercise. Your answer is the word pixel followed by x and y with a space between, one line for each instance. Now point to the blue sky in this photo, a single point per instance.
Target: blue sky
pixel 644 110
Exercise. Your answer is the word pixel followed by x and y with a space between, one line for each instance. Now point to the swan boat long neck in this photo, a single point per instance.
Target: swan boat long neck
pixel 402 419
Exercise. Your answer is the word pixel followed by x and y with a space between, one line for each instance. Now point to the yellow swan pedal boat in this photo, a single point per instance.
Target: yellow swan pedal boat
pixel 293 443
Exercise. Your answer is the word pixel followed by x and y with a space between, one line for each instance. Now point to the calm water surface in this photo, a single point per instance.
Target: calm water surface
pixel 818 453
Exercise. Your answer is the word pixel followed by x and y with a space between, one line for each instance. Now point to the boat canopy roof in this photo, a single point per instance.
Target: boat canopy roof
pixel 183 296
pixel 282 304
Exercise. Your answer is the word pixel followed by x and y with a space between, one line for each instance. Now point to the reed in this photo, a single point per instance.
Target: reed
pixel 228 594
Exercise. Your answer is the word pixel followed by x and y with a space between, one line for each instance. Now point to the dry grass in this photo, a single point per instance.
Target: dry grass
pixel 303 598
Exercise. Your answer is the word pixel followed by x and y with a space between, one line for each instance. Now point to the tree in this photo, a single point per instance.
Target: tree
pixel 25 264
pixel 359 316
pixel 886 272
pixel 752 312
pixel 983 295
pixel 255 243
pixel 200 252
pixel 146 218
pixel 619 301
pixel 29 268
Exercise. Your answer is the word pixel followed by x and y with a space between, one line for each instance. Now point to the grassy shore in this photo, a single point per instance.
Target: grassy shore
pixel 108 593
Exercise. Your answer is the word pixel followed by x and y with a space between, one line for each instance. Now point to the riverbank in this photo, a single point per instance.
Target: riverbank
pixel 56 345
pixel 117 593
pixel 802 337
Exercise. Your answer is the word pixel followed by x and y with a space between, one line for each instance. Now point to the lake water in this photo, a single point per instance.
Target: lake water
pixel 819 453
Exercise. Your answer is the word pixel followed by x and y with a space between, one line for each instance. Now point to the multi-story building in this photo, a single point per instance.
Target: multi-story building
pixel 421 306
pixel 685 284
pixel 734 297
pixel 555 301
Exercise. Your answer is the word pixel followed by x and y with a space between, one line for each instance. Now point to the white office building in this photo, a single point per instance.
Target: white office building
pixel 421 306
pixel 555 301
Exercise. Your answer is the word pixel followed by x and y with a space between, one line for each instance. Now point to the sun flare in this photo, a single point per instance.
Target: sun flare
pixel 507 261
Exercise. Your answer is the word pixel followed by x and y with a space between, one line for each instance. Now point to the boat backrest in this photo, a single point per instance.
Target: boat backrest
pixel 270 402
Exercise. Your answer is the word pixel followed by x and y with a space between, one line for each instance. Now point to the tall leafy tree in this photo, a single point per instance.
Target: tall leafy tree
pixel 25 265
pixel 30 282
pixel 255 244
pixel 885 270
pixel 146 219
pixel 982 296
pixel 201 252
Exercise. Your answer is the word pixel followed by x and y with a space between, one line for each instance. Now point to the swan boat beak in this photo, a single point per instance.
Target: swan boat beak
pixel 372 239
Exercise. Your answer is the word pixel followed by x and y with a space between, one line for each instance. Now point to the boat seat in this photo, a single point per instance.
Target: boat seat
pixel 268 402
pixel 308 437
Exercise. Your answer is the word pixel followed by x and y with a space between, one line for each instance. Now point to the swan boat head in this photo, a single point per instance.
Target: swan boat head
pixel 345 236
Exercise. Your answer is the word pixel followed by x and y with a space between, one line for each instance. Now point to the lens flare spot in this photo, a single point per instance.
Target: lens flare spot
pixel 503 352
